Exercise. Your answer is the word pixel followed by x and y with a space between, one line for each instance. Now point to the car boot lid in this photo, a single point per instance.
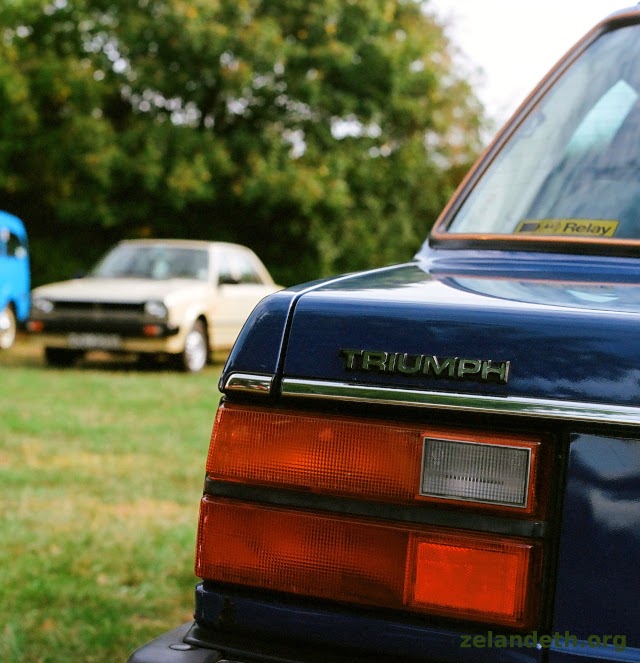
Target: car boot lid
pixel 406 329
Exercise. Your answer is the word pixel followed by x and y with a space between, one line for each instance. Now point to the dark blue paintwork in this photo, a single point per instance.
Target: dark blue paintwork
pixel 598 589
pixel 566 337
pixel 364 632
pixel 539 312
pixel 259 344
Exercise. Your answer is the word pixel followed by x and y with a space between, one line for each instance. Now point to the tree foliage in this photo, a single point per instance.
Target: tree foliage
pixel 325 134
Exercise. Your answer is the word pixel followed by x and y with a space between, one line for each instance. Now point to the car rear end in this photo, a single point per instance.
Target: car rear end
pixel 440 461
pixel 383 484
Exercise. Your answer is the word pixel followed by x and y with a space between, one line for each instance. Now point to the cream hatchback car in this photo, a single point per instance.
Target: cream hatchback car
pixel 178 298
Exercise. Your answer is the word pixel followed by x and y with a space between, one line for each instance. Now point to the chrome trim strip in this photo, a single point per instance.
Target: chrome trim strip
pixel 514 405
pixel 249 383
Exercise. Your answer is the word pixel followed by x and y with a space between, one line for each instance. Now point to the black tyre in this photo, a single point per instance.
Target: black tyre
pixel 196 349
pixel 7 327
pixel 61 357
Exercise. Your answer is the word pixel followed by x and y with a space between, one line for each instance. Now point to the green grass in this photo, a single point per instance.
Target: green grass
pixel 101 472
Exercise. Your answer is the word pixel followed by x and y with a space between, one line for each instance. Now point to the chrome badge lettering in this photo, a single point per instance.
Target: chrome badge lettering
pixel 485 370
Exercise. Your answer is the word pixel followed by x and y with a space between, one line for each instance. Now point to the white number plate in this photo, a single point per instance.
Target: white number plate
pixel 94 341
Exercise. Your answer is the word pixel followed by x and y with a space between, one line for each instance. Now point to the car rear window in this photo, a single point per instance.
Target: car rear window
pixel 572 167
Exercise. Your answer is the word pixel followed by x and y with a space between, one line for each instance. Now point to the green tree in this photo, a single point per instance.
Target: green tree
pixel 325 134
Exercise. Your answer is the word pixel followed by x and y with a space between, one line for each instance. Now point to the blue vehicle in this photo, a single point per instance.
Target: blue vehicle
pixel 439 461
pixel 15 279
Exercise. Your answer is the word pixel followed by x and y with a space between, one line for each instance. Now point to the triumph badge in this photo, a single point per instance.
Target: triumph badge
pixel 485 370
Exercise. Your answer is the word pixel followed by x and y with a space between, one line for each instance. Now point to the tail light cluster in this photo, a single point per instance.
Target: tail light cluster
pixel 434 570
pixel 374 460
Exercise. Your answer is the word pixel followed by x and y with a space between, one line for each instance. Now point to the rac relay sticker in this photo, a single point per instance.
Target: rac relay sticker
pixel 569 227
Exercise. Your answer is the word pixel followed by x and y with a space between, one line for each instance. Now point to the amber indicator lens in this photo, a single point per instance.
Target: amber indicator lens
pixel 373 459
pixel 301 553
pixel 476 472
pixel 152 330
pixel 367 562
pixel 321 454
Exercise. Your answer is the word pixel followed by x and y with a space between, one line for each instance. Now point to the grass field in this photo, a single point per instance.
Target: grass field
pixel 101 472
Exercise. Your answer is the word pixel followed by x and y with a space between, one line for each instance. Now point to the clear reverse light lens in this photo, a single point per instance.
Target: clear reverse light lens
pixel 474 472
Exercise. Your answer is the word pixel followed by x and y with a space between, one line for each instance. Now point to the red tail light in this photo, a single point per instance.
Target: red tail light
pixel 437 571
pixel 375 460
pixel 472 574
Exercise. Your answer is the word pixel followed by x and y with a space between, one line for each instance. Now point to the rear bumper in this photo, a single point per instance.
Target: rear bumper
pixel 171 648
pixel 185 645
pixel 181 646
pixel 241 627
pixel 295 629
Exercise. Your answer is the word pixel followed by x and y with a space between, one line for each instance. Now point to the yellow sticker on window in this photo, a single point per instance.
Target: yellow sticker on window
pixel 572 227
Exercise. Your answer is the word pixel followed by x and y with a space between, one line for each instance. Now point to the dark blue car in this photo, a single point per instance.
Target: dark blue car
pixel 15 280
pixel 439 461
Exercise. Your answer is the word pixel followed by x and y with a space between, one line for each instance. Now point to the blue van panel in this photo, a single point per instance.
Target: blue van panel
pixel 15 274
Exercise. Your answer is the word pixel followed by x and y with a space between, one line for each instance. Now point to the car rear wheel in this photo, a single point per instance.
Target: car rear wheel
pixel 7 328
pixel 61 357
pixel 196 349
